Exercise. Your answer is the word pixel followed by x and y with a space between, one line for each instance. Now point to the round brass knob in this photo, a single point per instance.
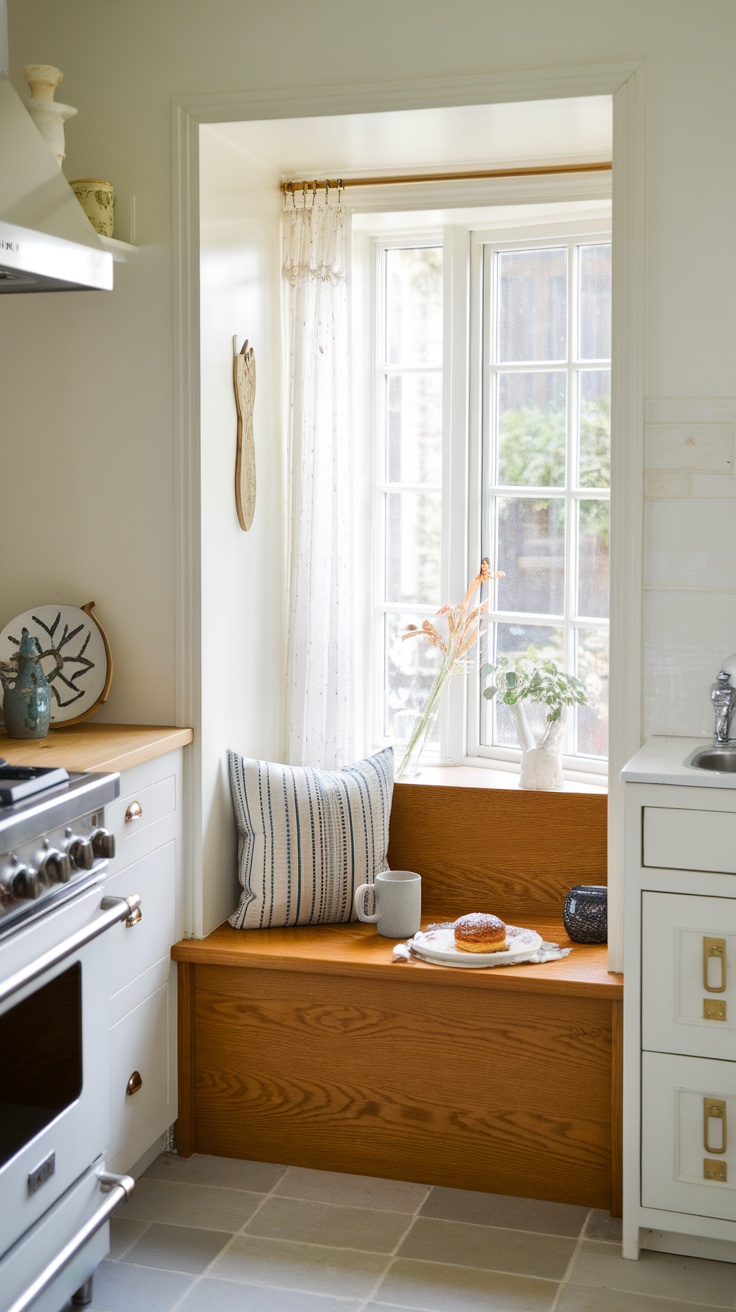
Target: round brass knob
pixel 134 812
pixel 134 1084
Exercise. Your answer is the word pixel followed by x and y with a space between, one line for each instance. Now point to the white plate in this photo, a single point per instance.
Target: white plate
pixel 74 633
pixel 438 945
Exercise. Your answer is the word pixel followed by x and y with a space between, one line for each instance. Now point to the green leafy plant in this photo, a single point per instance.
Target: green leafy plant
pixel 532 677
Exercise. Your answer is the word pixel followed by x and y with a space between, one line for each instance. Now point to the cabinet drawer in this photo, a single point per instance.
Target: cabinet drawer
pixel 675 839
pixel 139 946
pixel 689 974
pixel 139 1047
pixel 132 816
pixel 680 1142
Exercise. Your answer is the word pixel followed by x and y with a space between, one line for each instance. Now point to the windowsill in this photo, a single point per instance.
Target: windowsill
pixel 474 776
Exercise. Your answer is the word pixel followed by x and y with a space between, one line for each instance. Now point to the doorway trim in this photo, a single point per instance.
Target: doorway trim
pixel 625 82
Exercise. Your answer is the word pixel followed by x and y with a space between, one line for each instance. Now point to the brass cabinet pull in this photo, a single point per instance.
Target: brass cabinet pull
pixel 714 949
pixel 136 1082
pixel 134 812
pixel 714 1109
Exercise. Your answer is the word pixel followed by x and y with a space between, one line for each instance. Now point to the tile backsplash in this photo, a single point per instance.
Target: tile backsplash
pixel 689 568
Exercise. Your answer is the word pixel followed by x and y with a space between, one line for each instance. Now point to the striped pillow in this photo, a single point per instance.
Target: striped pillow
pixel 307 838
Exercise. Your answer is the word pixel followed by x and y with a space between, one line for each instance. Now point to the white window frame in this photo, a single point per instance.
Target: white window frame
pixel 462 426
pixel 484 249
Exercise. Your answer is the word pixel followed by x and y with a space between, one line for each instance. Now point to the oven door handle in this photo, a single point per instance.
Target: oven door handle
pixel 114 909
pixel 117 1189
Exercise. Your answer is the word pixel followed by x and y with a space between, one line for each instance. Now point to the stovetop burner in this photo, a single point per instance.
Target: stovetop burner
pixel 20 781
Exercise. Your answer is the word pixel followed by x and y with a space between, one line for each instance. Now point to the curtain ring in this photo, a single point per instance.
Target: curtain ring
pixel 304 195
pixel 327 191
pixel 339 191
pixel 314 192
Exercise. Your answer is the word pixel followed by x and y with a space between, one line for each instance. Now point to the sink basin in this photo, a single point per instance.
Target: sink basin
pixel 714 758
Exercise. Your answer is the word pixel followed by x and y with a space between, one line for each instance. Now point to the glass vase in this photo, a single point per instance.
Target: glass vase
pixel 412 731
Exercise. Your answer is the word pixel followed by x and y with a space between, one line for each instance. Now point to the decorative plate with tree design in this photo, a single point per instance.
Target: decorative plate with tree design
pixel 77 661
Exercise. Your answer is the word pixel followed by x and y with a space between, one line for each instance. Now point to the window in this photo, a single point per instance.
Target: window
pixel 544 358
pixel 490 401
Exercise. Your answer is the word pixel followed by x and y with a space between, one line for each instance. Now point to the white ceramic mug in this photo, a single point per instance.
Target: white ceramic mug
pixel 397 899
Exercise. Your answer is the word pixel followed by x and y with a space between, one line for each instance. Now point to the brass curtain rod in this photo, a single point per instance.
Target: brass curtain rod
pixel 305 185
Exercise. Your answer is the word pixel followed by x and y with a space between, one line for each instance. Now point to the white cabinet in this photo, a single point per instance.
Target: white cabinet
pixel 680 1018
pixel 147 823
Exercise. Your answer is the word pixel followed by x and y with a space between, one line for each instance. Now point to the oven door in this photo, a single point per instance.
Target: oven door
pixel 54 1099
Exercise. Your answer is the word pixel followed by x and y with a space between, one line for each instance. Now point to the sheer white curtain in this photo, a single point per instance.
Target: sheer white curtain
pixel 320 632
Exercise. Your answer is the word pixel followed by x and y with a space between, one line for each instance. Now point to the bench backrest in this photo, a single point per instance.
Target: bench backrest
pixel 512 852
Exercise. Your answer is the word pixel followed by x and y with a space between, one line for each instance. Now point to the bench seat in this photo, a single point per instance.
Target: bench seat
pixel 311 1047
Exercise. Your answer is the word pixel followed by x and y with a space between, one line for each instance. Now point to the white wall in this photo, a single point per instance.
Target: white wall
pixel 241 597
pixel 89 441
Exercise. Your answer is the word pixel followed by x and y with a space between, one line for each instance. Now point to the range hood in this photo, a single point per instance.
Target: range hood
pixel 47 243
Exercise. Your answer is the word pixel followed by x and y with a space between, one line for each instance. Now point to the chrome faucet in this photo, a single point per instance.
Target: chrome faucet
pixel 723 698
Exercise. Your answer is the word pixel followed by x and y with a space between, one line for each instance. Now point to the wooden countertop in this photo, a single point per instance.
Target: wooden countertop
pixel 88 748
pixel 356 949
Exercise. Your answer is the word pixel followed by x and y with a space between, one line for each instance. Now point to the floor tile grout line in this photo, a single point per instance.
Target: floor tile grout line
pixel 379 1281
pixel 561 1284
pixel 146 1226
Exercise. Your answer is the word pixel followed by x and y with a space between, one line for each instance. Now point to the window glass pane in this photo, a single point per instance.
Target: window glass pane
pixel 594 405
pixel 531 550
pixel 413 524
pixel 531 429
pixel 593 571
pixel 414 306
pixel 595 302
pixel 515 640
pixel 532 294
pixel 414 428
pixel 410 671
pixel 592 716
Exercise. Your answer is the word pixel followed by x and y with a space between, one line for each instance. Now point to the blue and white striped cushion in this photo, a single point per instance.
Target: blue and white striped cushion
pixel 307 838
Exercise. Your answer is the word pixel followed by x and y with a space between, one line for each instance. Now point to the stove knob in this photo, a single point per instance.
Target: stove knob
pixel 25 883
pixel 103 844
pixel 81 854
pixel 55 868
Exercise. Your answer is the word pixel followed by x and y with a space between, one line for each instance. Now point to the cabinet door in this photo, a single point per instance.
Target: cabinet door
pixel 140 945
pixel 689 974
pixel 140 1075
pixel 689 1135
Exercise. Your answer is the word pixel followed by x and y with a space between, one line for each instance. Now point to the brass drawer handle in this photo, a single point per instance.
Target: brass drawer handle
pixel 714 1109
pixel 134 1084
pixel 134 812
pixel 714 949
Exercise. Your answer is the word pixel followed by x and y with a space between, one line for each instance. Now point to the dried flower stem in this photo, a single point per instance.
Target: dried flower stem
pixel 463 631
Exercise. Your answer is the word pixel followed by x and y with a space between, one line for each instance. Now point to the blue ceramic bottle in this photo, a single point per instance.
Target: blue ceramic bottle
pixel 27 696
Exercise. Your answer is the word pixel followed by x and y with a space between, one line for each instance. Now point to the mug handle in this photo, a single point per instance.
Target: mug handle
pixel 359 903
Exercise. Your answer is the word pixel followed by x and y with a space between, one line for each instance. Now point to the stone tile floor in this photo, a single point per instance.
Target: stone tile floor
pixel 211 1234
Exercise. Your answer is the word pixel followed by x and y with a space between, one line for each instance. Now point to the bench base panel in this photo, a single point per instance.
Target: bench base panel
pixel 500 1091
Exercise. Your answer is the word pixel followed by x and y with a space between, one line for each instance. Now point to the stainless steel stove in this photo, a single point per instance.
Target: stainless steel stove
pixel 55 924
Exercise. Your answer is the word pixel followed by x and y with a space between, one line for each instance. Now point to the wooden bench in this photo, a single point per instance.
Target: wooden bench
pixel 311 1047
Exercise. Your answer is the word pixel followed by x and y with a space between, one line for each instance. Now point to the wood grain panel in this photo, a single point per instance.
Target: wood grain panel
pixel 617 1094
pixel 85 747
pixel 358 951
pixel 515 853
pixel 445 1086
pixel 185 1124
